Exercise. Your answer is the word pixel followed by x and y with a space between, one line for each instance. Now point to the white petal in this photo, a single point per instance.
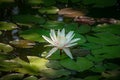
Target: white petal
pixel 58 33
pixel 48 39
pixel 69 45
pixel 48 45
pixel 62 32
pixel 69 34
pixel 67 51
pixel 70 38
pixel 51 52
pixel 74 40
pixel 53 35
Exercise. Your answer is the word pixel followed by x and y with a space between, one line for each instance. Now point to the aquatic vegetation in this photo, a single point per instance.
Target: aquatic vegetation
pixel 84 36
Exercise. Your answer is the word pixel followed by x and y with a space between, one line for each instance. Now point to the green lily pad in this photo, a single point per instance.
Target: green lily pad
pixel 52 73
pixel 54 64
pixel 13 76
pixel 31 78
pixel 81 64
pixel 7 26
pixel 96 77
pixel 111 66
pixel 99 3
pixel 48 10
pixel 72 27
pixel 107 52
pixel 104 38
pixel 98 68
pixel 28 19
pixel 92 46
pixel 34 66
pixel 82 38
pixel 54 25
pixel 34 34
pixel 37 62
pixel 34 2
pixel 5 48
pixel 49 2
pixel 64 1
pixel 114 29
pixel 96 59
pixel 84 29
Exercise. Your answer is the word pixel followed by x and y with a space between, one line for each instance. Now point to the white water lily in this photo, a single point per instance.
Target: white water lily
pixel 61 41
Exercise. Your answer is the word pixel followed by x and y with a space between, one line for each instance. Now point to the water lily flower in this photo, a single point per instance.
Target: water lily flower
pixel 61 41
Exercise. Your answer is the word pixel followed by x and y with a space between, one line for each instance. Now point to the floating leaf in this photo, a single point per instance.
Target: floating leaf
pixel 34 66
pixel 5 48
pixel 28 19
pixel 98 68
pixel 37 62
pixel 82 38
pixel 107 52
pixel 99 3
pixel 80 65
pixel 54 64
pixel 96 59
pixel 7 26
pixel 51 73
pixel 31 78
pixel 48 10
pixel 54 25
pixel 91 46
pixel 13 76
pixel 104 38
pixel 34 2
pixel 34 34
pixel 96 77
pixel 72 27
pixel 49 2
pixel 23 43
pixel 114 29
pixel 64 1
pixel 111 66
pixel 84 29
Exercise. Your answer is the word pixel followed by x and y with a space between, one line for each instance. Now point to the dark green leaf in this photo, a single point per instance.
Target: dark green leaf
pixel 84 29
pixel 52 73
pixel 54 25
pixel 97 77
pixel 107 52
pixel 81 64
pixel 114 29
pixel 31 78
pixel 100 3
pixel 28 19
pixel 104 38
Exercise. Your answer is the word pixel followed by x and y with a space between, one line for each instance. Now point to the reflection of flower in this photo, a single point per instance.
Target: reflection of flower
pixel 61 41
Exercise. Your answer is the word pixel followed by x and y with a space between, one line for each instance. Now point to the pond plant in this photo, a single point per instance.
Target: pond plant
pixel 84 36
